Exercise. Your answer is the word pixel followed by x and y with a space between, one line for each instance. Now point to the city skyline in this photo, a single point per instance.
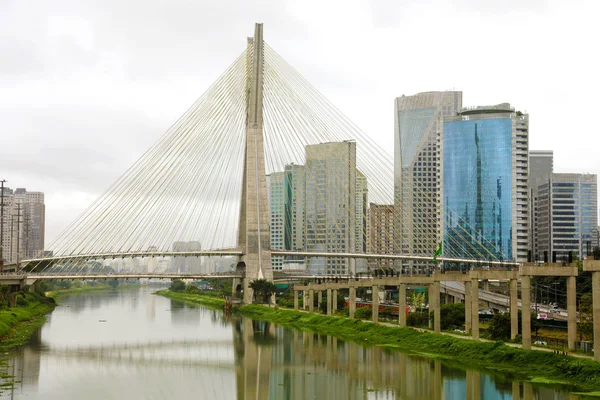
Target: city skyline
pixel 82 78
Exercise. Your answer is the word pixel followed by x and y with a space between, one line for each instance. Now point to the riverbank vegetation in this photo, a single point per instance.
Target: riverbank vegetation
pixel 208 300
pixel 21 313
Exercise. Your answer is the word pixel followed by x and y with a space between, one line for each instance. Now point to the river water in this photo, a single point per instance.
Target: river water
pixel 134 345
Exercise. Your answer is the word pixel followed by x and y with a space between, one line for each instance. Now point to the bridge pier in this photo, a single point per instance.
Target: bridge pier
pixel 514 308
pixel 475 309
pixel 319 300
pixel 468 301
pixel 329 301
pixel 434 302
pixel 526 312
pixel 571 313
pixel 311 300
pixel 334 296
pixel 375 302
pixel 352 302
pixel 593 266
pixel 296 300
pixel 304 300
pixel 402 305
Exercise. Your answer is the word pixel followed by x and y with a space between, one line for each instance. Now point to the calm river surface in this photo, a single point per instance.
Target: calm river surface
pixel 135 345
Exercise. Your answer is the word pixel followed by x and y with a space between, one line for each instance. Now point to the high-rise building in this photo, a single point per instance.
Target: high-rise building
pixel 362 220
pixel 417 169
pixel 331 205
pixel 286 201
pixel 381 233
pixel 596 238
pixel 541 165
pixel 567 210
pixel 485 183
pixel 275 192
pixel 23 225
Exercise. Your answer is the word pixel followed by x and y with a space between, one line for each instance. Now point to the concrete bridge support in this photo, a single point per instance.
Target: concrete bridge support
pixel 526 312
pixel 375 302
pixel 311 300
pixel 296 300
pixel 434 302
pixel 319 300
pixel 402 305
pixel 329 301
pixel 468 301
pixel 475 309
pixel 571 312
pixel 333 301
pixel 352 302
pixel 304 299
pixel 514 308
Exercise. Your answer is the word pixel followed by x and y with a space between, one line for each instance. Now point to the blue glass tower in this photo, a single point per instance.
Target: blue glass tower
pixel 485 184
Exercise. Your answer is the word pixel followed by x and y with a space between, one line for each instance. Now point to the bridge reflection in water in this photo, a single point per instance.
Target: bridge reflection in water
pixel 270 362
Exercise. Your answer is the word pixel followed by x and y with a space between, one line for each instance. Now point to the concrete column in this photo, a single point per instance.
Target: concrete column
pixel 486 285
pixel 319 300
pixel 596 311
pixel 475 309
pixel 304 299
pixel 334 300
pixel 296 300
pixel 311 300
pixel 435 302
pixel 468 301
pixel 329 302
pixel 514 308
pixel 526 311
pixel 571 312
pixel 375 298
pixel 352 302
pixel 402 305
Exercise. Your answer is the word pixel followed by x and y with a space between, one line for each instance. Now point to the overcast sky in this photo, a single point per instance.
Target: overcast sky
pixel 87 86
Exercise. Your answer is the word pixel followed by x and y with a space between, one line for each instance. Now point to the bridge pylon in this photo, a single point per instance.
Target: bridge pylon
pixel 254 238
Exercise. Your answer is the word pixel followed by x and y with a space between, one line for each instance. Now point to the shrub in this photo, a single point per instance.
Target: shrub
pixel 177 285
pixel 363 313
pixel 417 319
pixel 21 302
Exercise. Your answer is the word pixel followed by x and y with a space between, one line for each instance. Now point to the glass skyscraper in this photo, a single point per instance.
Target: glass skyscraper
pixel 485 204
pixel 418 118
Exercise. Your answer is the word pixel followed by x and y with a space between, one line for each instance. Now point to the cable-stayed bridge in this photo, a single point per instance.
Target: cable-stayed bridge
pixel 264 169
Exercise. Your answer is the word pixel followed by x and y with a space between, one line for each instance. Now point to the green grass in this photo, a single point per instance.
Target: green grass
pixel 18 323
pixel 208 301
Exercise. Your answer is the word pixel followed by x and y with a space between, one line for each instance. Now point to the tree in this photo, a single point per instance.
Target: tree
pixel 499 326
pixel 177 285
pixel 263 289
pixel 452 316
pixel 113 283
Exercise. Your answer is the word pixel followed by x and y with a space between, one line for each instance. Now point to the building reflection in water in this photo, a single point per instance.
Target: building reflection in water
pixel 277 363
pixel 271 362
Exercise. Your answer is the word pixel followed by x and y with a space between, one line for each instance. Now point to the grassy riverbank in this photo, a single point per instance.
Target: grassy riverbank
pixel 204 300
pixel 58 293
pixel 19 322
